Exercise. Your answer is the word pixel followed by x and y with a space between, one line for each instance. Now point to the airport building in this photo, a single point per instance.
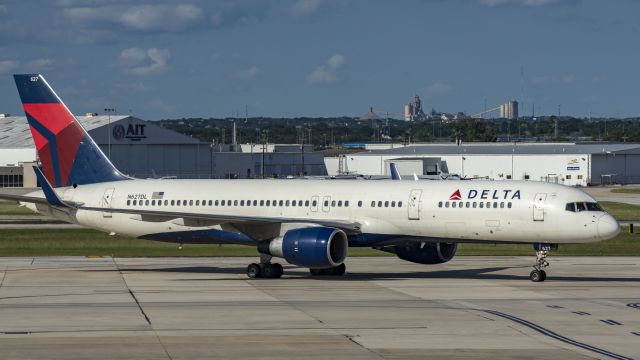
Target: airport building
pixel 562 163
pixel 143 149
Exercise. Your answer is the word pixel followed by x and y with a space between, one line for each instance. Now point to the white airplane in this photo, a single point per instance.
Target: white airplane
pixel 309 223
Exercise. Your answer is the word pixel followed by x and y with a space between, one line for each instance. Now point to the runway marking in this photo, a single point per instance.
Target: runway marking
pixel 580 313
pixel 555 306
pixel 636 333
pixel 558 337
pixel 611 322
pixel 634 305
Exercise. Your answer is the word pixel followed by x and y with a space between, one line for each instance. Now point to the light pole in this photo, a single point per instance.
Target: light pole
pixel 109 111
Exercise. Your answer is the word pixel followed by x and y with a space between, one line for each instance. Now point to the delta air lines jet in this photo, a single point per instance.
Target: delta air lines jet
pixel 308 223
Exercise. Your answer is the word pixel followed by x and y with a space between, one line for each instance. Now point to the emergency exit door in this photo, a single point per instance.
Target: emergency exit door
pixel 538 207
pixel 413 206
pixel 107 198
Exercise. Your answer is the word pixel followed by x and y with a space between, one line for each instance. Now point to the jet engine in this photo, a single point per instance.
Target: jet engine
pixel 426 253
pixel 312 247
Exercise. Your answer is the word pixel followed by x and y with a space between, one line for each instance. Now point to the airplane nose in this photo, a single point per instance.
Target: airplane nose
pixel 608 227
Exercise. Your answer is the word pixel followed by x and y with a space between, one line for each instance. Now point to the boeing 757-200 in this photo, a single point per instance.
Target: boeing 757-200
pixel 308 223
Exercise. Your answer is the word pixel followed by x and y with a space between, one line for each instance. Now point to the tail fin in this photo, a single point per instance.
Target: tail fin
pixel 395 175
pixel 68 154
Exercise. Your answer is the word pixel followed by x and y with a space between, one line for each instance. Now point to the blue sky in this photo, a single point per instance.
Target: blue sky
pixel 168 59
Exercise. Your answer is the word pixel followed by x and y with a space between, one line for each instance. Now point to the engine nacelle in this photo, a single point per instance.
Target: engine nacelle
pixel 312 247
pixel 430 253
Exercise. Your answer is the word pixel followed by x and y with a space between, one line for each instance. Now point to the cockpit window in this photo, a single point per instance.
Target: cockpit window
pixel 591 206
pixel 581 206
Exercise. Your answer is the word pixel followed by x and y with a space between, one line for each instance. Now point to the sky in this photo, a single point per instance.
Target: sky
pixel 287 58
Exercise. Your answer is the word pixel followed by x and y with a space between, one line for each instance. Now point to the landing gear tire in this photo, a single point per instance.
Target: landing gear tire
pixel 537 276
pixel 544 275
pixel 272 271
pixel 254 271
pixel 332 271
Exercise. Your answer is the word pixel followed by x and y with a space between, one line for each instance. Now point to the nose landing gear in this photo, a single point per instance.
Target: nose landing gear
pixel 542 250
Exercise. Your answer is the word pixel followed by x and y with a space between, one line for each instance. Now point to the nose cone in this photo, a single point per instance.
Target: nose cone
pixel 608 227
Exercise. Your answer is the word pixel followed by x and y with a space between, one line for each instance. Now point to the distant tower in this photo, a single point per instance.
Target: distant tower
pixel 413 110
pixel 509 110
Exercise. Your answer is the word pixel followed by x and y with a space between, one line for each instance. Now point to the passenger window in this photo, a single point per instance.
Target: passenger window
pixel 446 204
pixel 261 202
pixel 235 202
pixel 286 203
pixel 197 202
pixel 359 203
pixel 373 204
pixel 153 203
pixel 509 204
pixel 399 203
pixel 379 203
pixel 488 205
pixel 454 204
pixel 135 202
pixel 255 202
pixel 580 207
pixel 468 204
pixel 346 203
pixel 315 203
pixel 241 202
pixel 128 202
pixel 333 203
pixel 475 204
pixel 339 203
pixel 306 203
pixel 293 203
pixel 216 203
pixel 326 203
pixel 146 202
pixel 440 204
pixel 502 205
pixel 222 203
pixel 281 202
pixel 386 204
pixel 481 205
pixel 495 205
pixel 190 202
pixel 393 204
pixel 211 202
pixel 268 202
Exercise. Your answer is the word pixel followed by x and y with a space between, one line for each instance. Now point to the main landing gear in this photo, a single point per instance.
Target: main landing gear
pixel 542 250
pixel 332 271
pixel 265 269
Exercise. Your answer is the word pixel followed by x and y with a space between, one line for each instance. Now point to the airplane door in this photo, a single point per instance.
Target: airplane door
pixel 314 203
pixel 326 203
pixel 413 205
pixel 107 198
pixel 538 207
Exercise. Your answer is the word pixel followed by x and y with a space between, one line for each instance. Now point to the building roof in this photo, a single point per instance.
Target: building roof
pixel 522 149
pixel 14 130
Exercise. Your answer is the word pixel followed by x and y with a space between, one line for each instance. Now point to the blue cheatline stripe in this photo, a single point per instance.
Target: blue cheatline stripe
pixel 558 337
pixel 53 146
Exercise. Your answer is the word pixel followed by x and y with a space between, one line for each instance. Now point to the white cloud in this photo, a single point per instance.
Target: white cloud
pixel 250 72
pixel 328 72
pixel 138 18
pixel 438 89
pixel 139 61
pixel 548 79
pixel 305 7
pixel 39 64
pixel 6 66
pixel 3 9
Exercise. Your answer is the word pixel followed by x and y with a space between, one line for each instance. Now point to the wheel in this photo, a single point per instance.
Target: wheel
pixel 535 276
pixel 254 271
pixel 272 271
pixel 544 275
pixel 317 271
pixel 337 270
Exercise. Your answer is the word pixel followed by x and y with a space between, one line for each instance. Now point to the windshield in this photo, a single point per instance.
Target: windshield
pixel 583 206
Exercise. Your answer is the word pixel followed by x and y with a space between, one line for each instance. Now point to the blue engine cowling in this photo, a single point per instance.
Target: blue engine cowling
pixel 312 247
pixel 426 253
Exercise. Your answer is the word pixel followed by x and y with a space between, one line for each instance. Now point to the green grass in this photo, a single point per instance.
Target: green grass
pixel 621 211
pixel 13 208
pixel 84 242
pixel 626 190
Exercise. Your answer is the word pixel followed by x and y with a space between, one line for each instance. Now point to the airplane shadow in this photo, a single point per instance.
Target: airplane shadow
pixel 487 273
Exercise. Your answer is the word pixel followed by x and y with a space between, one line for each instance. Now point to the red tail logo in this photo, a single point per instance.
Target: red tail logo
pixel 456 195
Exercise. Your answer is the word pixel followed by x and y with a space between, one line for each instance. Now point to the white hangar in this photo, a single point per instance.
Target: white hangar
pixel 563 163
